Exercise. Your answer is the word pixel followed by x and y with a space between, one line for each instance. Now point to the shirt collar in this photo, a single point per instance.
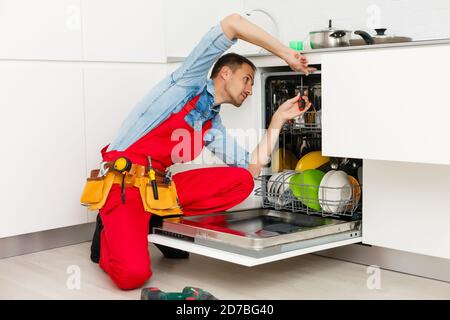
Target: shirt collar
pixel 210 90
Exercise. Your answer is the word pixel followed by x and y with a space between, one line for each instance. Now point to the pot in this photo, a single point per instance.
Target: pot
pixel 379 38
pixel 332 37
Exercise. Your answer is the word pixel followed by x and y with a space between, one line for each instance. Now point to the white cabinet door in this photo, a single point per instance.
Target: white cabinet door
pixel 42 146
pixel 187 21
pixel 406 207
pixel 44 29
pixel 111 92
pixel 389 104
pixel 119 30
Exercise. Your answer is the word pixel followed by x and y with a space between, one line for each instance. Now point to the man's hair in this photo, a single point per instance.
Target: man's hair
pixel 231 60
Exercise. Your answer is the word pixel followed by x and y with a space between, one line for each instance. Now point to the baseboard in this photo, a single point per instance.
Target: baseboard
pixel 395 260
pixel 39 241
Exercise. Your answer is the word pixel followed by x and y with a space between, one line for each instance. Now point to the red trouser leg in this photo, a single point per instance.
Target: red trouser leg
pixel 124 244
pixel 208 190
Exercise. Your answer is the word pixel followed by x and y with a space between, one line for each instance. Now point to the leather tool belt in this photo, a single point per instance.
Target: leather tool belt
pixel 99 184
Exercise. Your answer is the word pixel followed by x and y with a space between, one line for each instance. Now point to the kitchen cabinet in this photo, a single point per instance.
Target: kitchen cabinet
pixel 111 92
pixel 45 29
pixel 42 130
pixel 122 30
pixel 406 207
pixel 187 21
pixel 389 104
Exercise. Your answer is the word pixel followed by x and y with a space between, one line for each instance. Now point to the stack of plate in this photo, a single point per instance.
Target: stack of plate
pixel 278 191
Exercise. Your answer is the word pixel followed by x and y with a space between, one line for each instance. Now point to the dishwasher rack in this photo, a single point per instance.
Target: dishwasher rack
pixel 304 201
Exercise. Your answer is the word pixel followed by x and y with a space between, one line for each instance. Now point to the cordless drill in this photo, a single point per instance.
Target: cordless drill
pixel 188 293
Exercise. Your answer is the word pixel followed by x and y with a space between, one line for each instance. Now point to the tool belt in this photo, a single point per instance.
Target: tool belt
pixel 162 202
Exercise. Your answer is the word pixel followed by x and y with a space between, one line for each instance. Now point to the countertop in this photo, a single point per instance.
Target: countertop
pixel 340 49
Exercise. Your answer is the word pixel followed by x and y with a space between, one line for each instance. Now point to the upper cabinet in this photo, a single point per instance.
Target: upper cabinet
pixel 390 104
pixel 119 30
pixel 44 29
pixel 187 21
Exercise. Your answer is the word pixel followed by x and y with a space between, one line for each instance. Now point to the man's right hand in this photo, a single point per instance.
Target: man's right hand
pixel 290 109
pixel 297 61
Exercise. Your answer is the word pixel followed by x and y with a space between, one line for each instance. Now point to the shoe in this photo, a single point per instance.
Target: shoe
pixel 168 252
pixel 172 253
pixel 95 246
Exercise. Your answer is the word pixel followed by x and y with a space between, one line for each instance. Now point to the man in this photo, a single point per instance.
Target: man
pixel 186 100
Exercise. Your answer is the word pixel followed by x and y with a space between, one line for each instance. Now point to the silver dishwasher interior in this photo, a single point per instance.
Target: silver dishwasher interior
pixel 296 212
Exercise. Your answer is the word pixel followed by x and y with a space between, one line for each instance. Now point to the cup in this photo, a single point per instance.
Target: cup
pixel 296 45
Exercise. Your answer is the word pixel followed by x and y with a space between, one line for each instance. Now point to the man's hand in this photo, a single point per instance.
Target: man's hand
pixel 237 27
pixel 298 62
pixel 291 109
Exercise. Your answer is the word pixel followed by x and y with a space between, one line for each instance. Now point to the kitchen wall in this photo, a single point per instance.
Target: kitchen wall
pixel 70 72
pixel 415 18
pixel 81 65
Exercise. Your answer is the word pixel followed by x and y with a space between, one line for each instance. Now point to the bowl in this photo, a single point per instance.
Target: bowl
pixel 356 194
pixel 311 160
pixel 337 192
pixel 305 187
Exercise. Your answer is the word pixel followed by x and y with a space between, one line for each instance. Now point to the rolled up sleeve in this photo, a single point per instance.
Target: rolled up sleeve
pixel 225 146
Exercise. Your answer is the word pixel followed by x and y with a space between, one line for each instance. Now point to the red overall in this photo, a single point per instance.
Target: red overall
pixel 124 246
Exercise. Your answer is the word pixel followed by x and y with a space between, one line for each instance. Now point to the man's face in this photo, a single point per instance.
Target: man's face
pixel 239 84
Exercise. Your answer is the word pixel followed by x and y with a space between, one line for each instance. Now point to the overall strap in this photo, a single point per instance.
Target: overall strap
pixel 191 104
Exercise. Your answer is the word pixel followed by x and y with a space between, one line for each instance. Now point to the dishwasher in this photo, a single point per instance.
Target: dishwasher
pixel 300 212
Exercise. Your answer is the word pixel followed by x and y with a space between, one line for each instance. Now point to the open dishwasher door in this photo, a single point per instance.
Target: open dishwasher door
pixel 256 236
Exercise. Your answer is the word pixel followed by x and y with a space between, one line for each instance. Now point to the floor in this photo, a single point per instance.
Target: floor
pixel 53 274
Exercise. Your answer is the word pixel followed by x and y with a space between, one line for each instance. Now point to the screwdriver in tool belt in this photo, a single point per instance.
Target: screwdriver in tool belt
pixel 152 175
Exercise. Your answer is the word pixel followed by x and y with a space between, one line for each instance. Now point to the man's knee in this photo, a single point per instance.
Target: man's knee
pixel 131 277
pixel 245 181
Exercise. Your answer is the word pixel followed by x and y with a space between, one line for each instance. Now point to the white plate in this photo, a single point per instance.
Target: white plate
pixel 322 190
pixel 278 183
pixel 283 192
pixel 271 195
pixel 338 192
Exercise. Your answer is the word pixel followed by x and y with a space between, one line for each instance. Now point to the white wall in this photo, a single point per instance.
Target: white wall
pixel 104 56
pixel 415 18
pixel 70 71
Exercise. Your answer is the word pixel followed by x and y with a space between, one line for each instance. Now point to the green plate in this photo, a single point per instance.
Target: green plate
pixel 305 187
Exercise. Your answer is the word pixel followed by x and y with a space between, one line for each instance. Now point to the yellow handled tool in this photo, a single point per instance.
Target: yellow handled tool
pixel 122 165
pixel 152 176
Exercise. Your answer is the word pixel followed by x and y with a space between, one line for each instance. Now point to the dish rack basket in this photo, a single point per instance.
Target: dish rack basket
pixel 309 122
pixel 303 200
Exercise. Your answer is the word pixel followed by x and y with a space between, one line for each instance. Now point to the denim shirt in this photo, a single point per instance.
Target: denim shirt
pixel 172 93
